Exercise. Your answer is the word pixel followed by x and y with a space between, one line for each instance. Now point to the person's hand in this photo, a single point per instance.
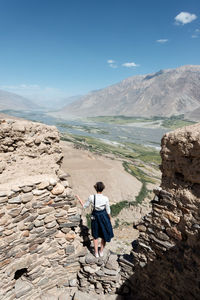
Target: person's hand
pixel 77 196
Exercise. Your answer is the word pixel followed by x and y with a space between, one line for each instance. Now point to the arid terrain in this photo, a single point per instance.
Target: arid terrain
pixel 85 168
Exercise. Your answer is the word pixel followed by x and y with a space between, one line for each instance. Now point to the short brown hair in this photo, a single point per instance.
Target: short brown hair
pixel 99 186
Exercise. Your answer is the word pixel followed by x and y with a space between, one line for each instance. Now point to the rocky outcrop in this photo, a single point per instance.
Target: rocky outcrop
pixel 166 255
pixel 40 241
pixel 164 262
pixel 28 149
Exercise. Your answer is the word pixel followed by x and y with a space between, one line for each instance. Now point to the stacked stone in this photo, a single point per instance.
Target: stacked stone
pixel 100 275
pixel 27 149
pixel 39 229
pixel 40 242
pixel 165 254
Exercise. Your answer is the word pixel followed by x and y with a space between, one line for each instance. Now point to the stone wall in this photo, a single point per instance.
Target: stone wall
pixel 40 242
pixel 41 246
pixel 165 258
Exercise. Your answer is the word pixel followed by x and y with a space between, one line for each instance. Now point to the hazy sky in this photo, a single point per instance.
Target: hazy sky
pixel 70 47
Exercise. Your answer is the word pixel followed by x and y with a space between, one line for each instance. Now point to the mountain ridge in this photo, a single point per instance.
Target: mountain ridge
pixel 163 93
pixel 12 101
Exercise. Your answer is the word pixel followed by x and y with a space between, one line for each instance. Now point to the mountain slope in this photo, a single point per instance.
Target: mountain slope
pixel 11 101
pixel 165 93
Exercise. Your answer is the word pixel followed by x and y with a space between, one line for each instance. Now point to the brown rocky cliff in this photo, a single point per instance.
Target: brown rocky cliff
pixel 40 244
pixel 165 257
pixel 28 149
pixel 39 223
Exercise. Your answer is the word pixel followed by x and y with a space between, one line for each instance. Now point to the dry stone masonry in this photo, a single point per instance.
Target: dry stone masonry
pixel 166 260
pixel 40 240
pixel 43 253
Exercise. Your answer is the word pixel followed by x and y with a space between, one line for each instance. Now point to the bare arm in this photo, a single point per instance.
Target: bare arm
pixel 81 201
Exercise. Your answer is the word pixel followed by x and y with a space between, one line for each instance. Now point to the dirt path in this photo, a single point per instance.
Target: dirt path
pixel 87 168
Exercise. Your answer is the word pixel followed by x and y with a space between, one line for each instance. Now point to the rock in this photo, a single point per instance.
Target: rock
pixel 73 283
pixel 162 236
pixel 38 192
pixel 38 223
pixel 22 288
pixel 165 244
pixel 58 189
pixel 27 189
pixel 49 219
pixel 64 296
pixel 110 272
pixel 141 228
pixel 196 226
pixel 91 270
pixel 16 200
pixel 60 235
pixel 51 225
pixel 65 183
pixel 112 262
pixel 69 249
pixel 3 194
pixel 25 233
pixel 14 212
pixel 45 210
pixel 82 296
pixel 63 176
pixel 43 185
pixel 174 232
pixel 172 217
pixel 52 181
pixel 48 296
pixel 70 236
pixel 90 259
pixel 26 197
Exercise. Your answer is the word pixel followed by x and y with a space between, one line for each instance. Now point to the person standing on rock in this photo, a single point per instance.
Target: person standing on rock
pixel 100 217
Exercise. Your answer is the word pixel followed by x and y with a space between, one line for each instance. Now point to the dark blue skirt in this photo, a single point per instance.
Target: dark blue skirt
pixel 101 225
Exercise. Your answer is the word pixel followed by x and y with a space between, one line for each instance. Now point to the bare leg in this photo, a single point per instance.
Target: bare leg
pixel 103 243
pixel 96 246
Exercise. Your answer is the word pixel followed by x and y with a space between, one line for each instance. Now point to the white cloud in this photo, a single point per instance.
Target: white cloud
pixel 162 41
pixel 185 18
pixel 196 34
pixel 113 66
pixel 112 63
pixel 130 65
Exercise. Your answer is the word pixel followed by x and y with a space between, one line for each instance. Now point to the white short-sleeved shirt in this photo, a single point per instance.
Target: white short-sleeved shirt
pixel 102 202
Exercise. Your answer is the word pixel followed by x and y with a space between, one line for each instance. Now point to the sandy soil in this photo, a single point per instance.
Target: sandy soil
pixel 87 168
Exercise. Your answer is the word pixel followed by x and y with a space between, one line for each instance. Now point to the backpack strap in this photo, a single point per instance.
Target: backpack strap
pixel 94 201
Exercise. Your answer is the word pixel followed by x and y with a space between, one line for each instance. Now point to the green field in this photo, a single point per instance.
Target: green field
pixel 172 122
pixel 85 128
pixel 130 151
pixel 118 119
pixel 135 159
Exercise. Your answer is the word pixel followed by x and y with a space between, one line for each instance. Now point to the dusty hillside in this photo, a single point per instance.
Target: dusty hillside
pixel 165 93
pixel 15 102
pixel 87 168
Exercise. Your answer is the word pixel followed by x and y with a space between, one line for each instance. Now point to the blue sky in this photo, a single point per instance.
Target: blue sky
pixel 56 48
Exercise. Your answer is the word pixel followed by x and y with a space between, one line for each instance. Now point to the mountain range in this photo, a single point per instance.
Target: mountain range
pixel 164 93
pixel 11 101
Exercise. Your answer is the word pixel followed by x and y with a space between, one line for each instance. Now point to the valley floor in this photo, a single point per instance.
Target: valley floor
pixel 86 168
